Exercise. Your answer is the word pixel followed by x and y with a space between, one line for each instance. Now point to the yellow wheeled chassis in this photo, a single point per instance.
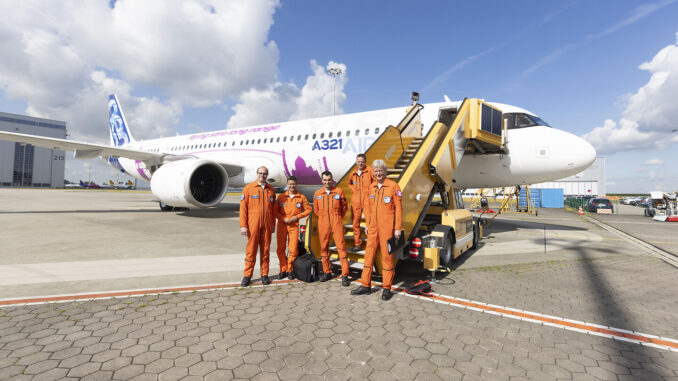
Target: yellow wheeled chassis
pixel 435 224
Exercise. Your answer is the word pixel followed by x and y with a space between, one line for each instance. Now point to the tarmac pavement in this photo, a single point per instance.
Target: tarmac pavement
pixel 547 297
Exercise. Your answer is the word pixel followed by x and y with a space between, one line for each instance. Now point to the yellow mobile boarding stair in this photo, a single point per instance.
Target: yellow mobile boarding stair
pixel 435 224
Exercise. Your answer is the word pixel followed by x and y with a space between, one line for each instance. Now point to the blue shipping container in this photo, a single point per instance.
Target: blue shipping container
pixel 552 198
pixel 535 195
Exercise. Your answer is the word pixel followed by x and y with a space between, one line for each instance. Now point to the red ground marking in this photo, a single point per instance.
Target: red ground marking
pixel 62 298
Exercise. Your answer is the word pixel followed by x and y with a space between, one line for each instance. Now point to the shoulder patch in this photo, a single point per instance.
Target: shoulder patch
pixel 399 193
pixel 242 197
pixel 299 205
pixel 337 196
pixel 255 196
pixel 271 198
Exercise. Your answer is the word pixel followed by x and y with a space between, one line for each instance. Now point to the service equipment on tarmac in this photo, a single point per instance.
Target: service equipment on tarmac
pixel 436 225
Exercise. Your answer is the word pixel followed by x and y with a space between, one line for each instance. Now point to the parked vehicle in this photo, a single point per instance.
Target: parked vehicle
pixel 635 201
pixel 600 205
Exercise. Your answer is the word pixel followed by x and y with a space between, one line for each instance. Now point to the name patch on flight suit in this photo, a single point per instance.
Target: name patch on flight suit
pixel 336 197
pixel 371 196
pixel 255 196
pixel 282 204
pixel 299 205
pixel 387 199
pixel 320 197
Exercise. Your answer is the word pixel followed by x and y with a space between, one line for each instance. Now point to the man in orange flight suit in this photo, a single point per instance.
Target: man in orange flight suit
pixel 257 221
pixel 329 204
pixel 360 182
pixel 383 222
pixel 290 208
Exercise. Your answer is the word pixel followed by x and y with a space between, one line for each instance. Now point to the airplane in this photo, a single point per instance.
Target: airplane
pixel 195 170
pixel 89 185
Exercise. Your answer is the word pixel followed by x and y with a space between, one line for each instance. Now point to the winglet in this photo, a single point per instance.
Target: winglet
pixel 447 99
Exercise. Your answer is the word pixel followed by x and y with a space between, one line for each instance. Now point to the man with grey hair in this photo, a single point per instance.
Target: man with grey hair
pixel 384 220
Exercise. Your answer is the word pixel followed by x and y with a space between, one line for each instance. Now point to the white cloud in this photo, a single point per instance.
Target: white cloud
pixel 650 115
pixel 63 58
pixel 654 161
pixel 285 101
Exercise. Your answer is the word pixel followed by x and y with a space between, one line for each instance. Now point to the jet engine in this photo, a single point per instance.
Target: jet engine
pixel 190 183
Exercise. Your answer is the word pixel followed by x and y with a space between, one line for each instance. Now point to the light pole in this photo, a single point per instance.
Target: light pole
pixel 334 72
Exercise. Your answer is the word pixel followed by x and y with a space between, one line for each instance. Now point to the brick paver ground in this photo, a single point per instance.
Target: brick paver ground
pixel 320 331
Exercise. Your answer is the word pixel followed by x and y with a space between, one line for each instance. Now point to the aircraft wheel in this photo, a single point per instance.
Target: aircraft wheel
pixel 164 207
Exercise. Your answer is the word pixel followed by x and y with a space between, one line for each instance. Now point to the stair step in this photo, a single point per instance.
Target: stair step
pixel 392 177
pixel 394 170
pixel 350 226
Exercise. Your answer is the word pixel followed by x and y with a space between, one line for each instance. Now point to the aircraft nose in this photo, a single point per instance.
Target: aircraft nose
pixel 584 154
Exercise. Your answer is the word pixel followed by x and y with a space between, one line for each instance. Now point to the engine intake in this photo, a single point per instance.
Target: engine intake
pixel 190 182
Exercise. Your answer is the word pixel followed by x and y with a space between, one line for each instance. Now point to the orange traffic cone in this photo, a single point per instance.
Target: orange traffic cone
pixel 581 211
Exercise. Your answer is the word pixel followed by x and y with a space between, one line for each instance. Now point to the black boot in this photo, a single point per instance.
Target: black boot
pixel 325 277
pixel 290 276
pixel 245 281
pixel 265 281
pixel 386 295
pixel 282 275
pixel 345 282
pixel 362 290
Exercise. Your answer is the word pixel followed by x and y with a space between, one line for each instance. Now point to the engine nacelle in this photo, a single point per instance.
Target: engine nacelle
pixel 190 182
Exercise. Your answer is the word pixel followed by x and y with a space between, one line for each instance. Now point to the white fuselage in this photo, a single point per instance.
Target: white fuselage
pixel 306 148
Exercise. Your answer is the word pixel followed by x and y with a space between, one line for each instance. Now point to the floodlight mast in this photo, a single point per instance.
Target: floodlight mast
pixel 334 72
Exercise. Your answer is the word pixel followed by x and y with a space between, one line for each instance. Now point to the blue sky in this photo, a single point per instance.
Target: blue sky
pixel 576 64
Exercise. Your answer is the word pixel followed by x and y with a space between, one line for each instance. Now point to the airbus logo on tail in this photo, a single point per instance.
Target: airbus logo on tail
pixel 119 132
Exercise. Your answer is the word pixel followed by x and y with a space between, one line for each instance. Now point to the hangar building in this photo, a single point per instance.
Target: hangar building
pixel 24 165
pixel 590 182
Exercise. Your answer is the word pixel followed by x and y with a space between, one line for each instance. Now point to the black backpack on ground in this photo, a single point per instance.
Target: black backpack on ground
pixel 305 268
pixel 422 287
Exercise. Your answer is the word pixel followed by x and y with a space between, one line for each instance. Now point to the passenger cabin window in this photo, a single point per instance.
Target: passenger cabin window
pixel 284 138
pixel 322 135
pixel 522 120
pixel 329 135
pixel 348 133
pixel 259 141
pixel 376 131
pixel 299 137
pixel 357 132
pixel 367 131
pixel 339 134
pixel 314 135
pixel 277 140
pixel 306 137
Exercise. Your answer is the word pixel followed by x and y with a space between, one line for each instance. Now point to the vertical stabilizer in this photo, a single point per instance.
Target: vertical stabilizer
pixel 119 131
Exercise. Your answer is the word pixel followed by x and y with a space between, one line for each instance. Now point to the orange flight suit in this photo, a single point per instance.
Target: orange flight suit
pixel 360 188
pixel 288 207
pixel 257 214
pixel 385 216
pixel 330 210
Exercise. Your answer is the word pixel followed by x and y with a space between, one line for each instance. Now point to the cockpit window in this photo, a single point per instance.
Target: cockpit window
pixel 521 120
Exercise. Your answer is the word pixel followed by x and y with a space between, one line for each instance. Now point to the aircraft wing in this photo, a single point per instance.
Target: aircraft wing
pixel 90 150
pixel 83 150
